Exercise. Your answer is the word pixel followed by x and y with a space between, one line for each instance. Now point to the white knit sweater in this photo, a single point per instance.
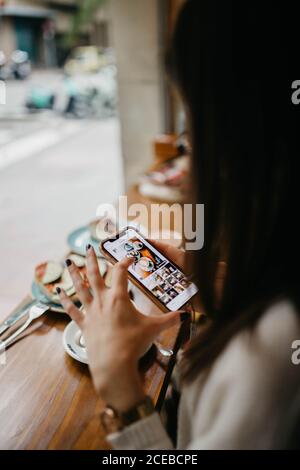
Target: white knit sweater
pixel 241 401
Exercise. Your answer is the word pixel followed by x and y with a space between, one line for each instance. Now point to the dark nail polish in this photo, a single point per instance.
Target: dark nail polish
pixel 58 290
pixel 88 247
pixel 68 262
pixel 185 316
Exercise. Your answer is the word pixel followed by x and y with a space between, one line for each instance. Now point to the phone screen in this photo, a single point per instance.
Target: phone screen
pixel 152 269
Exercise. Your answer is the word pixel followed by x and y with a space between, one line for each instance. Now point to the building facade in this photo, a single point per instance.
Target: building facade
pixel 40 27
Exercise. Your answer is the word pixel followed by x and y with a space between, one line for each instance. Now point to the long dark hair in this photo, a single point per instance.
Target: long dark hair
pixel 234 63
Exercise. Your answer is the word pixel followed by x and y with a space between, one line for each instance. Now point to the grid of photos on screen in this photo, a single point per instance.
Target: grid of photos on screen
pixel 169 283
pixel 156 273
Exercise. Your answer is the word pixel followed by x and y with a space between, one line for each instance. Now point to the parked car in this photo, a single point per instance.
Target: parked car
pixel 88 59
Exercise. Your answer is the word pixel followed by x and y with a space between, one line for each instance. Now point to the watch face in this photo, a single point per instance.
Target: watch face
pixel 114 422
pixel 110 420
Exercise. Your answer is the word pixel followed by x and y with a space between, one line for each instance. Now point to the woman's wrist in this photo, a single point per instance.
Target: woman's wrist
pixel 115 421
pixel 122 388
pixel 128 402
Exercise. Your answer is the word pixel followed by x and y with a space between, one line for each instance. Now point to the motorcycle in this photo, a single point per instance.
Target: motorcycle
pixel 4 69
pixel 39 99
pixel 20 65
pixel 80 97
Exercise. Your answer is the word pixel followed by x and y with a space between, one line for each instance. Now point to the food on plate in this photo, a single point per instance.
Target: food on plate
pixel 64 280
pixel 77 259
pixel 146 264
pixel 49 272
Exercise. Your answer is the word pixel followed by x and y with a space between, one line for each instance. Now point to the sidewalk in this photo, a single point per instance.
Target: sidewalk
pixel 46 196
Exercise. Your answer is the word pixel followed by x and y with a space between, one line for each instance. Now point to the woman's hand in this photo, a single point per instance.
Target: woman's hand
pixel 175 255
pixel 185 261
pixel 115 332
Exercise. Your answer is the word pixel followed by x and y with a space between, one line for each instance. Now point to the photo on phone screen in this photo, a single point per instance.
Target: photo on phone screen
pixel 152 269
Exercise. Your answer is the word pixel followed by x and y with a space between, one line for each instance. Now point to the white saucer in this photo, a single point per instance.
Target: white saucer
pixel 71 341
pixel 71 338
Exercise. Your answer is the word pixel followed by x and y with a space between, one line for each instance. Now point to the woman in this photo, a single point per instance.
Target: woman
pixel 233 66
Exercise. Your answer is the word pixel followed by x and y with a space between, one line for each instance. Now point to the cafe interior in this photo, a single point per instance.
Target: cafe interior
pixel 47 397
pixel 126 195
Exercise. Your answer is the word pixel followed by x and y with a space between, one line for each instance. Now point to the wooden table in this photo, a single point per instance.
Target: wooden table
pixel 47 400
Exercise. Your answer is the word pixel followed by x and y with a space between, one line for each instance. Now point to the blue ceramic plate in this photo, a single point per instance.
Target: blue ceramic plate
pixel 79 238
pixel 39 295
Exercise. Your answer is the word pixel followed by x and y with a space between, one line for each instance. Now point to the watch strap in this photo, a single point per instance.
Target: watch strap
pixel 140 411
pixel 114 421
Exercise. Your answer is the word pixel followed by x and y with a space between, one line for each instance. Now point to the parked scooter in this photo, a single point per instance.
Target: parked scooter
pixel 93 96
pixel 79 97
pixel 20 65
pixel 4 69
pixel 40 98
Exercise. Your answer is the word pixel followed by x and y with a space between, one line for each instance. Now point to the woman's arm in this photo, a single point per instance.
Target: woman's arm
pixel 244 399
pixel 115 332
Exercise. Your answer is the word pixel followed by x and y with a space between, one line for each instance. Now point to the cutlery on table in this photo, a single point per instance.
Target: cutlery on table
pixel 16 316
pixel 35 312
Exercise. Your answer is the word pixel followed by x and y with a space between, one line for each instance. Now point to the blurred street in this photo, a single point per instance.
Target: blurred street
pixel 23 134
pixel 54 172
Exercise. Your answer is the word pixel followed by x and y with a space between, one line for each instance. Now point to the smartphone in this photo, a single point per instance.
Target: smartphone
pixel 158 277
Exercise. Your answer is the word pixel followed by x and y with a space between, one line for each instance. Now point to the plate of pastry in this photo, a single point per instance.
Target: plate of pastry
pixel 50 275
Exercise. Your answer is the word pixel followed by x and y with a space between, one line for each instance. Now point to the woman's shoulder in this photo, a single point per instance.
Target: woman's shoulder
pixel 277 328
pixel 266 347
pixel 259 353
pixel 249 388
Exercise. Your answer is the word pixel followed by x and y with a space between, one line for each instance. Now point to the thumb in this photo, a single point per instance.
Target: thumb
pixel 168 320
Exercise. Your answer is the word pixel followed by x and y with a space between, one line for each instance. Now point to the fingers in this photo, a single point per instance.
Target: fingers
pixel 70 308
pixel 173 254
pixel 95 279
pixel 168 320
pixel 120 276
pixel 82 290
pixel 164 247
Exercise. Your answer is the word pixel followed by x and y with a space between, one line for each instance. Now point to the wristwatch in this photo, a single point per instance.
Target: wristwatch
pixel 114 421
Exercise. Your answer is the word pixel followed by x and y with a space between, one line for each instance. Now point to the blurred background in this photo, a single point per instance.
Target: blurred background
pixel 89 115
